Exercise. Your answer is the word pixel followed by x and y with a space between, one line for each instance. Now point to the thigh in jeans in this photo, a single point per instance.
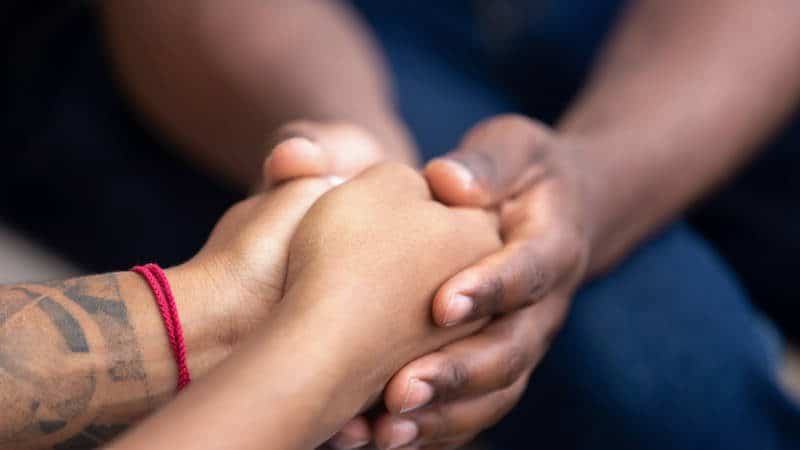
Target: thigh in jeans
pixel 665 352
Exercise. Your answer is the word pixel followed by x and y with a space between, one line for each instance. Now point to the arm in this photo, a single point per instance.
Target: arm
pixel 682 97
pixel 354 312
pixel 82 358
pixel 218 77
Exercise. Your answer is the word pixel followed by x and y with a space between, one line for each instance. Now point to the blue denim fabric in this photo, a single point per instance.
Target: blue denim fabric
pixel 664 353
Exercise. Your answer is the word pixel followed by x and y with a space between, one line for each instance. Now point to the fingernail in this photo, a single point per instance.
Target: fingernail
pixel 403 432
pixel 305 145
pixel 459 307
pixel 342 441
pixel 418 394
pixel 335 181
pixel 461 171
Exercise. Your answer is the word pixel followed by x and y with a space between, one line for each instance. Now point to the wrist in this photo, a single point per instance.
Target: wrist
pixel 333 344
pixel 607 197
pixel 306 375
pixel 202 295
pixel 204 348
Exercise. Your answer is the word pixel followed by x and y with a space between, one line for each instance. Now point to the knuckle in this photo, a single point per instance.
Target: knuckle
pixel 530 272
pixel 455 375
pixel 513 366
pixel 490 294
pixel 537 281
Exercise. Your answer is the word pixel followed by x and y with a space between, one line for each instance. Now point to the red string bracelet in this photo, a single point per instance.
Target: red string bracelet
pixel 159 284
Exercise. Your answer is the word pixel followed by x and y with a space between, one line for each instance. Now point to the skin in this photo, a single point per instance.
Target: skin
pixel 81 359
pixel 648 134
pixel 216 75
pixel 348 333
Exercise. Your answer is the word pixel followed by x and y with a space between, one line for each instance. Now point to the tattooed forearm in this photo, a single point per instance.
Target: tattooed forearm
pixel 102 301
pixel 64 348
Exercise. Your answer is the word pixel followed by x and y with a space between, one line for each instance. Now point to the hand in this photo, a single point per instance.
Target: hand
pixel 363 265
pixel 368 257
pixel 242 267
pixel 532 177
pixel 308 148
pixel 250 243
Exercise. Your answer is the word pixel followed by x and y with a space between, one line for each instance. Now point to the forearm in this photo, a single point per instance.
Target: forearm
pixel 308 369
pixel 682 97
pixel 288 387
pixel 219 77
pixel 82 358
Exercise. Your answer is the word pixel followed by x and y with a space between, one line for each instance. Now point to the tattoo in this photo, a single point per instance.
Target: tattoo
pixel 91 437
pixel 103 302
pixel 69 328
pixel 51 336
pixel 46 387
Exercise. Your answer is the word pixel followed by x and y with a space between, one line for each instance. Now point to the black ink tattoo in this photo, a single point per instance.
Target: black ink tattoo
pixel 91 437
pixel 51 426
pixel 100 297
pixel 43 387
pixel 69 328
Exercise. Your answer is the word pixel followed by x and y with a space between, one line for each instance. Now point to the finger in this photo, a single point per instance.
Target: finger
pixel 518 275
pixel 489 361
pixel 316 149
pixel 355 434
pixel 294 158
pixel 393 180
pixel 280 210
pixel 446 424
pixel 276 212
pixel 492 161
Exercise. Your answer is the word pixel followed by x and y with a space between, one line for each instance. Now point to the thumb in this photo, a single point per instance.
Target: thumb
pixel 313 149
pixel 492 162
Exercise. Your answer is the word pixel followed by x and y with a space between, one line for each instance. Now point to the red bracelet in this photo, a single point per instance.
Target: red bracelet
pixel 159 284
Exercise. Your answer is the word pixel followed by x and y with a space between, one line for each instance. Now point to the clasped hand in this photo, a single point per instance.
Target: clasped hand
pixel 534 180
pixel 356 264
pixel 382 243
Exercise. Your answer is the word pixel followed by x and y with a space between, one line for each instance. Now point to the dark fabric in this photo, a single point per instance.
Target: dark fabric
pixel 665 353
